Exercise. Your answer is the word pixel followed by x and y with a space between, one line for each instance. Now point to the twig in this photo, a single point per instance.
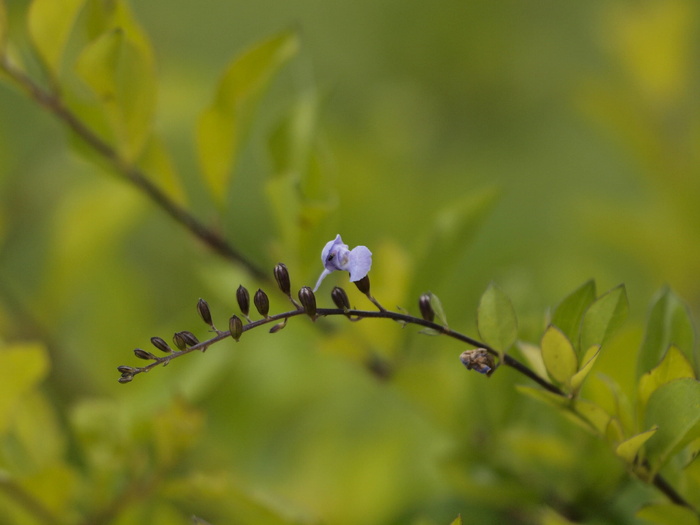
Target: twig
pixel 52 102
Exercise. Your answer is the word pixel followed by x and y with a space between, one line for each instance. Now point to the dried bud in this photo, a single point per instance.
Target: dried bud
pixel 479 360
pixel 161 345
pixel 142 354
pixel 308 301
pixel 203 309
pixel 189 338
pixel 126 370
pixel 262 303
pixel 126 379
pixel 426 309
pixel 243 298
pixel 278 326
pixel 363 285
pixel 282 278
pixel 340 298
pixel 179 341
pixel 235 325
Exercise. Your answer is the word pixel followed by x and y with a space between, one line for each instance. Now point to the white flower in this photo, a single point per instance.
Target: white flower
pixel 337 256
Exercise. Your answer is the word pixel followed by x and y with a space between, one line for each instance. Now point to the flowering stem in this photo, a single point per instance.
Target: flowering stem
pixel 508 360
pixel 52 102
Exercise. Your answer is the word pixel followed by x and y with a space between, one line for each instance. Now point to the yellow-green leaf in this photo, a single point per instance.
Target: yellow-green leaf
pixel 589 359
pixel 674 365
pixel 457 520
pixel 568 314
pixel 22 366
pixel 604 317
pixel 50 24
pixel 667 514
pixel 157 163
pixel 629 448
pixel 3 26
pixel 675 408
pixel 559 355
pixel 496 319
pixel 222 126
pixel 598 418
pixel 121 73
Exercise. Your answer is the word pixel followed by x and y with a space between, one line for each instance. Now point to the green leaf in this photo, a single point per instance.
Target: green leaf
pixel 496 319
pixel 436 305
pixel 121 73
pixel 156 161
pixel 545 396
pixel 222 126
pixel 629 448
pixel 667 514
pixel 669 324
pixel 592 413
pixel 457 520
pixel 603 317
pixel 673 366
pixel 569 313
pixel 22 367
pixel 3 26
pixel 588 361
pixel 50 24
pixel 675 409
pixel 559 355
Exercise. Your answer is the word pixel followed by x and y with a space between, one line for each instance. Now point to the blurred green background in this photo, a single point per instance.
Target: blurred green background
pixel 561 141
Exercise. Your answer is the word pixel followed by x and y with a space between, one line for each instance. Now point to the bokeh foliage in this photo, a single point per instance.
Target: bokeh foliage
pixel 536 146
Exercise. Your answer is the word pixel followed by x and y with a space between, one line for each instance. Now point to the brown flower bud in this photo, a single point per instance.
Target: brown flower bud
pixel 262 303
pixel 161 345
pixel 340 298
pixel 125 370
pixel 363 285
pixel 282 278
pixel 179 341
pixel 278 326
pixel 142 354
pixel 426 309
pixel 308 301
pixel 235 325
pixel 126 379
pixel 204 312
pixel 189 338
pixel 243 298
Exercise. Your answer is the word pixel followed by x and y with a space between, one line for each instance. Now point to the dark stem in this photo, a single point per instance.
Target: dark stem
pixel 130 172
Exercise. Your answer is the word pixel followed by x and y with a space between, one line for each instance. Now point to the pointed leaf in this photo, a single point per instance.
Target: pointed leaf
pixel 673 366
pixel 223 124
pixel 603 317
pixel 156 161
pixel 496 319
pixel 598 418
pixel 50 25
pixel 457 520
pixel 588 361
pixel 436 305
pixel 533 357
pixel 559 355
pixel 675 409
pixel 669 324
pixel 629 448
pixel 550 398
pixel 568 315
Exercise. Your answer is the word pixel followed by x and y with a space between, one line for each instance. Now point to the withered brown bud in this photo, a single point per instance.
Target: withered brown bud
pixel 189 338
pixel 478 359
pixel 282 278
pixel 235 325
pixel 142 354
pixel 262 303
pixel 308 301
pixel 204 312
pixel 426 309
pixel 340 298
pixel 278 326
pixel 161 345
pixel 363 285
pixel 243 298
pixel 126 379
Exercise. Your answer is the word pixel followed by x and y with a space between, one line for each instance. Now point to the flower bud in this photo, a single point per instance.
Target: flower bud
pixel 125 370
pixel 235 325
pixel 161 345
pixel 126 379
pixel 278 326
pixel 262 303
pixel 308 301
pixel 243 298
pixel 142 354
pixel 340 298
pixel 363 285
pixel 204 312
pixel 426 309
pixel 282 278
pixel 189 338
pixel 179 341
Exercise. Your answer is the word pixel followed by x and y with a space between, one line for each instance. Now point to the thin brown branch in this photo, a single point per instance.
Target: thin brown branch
pixel 129 172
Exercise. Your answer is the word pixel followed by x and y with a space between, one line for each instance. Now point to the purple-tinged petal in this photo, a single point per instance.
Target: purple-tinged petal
pixel 359 263
pixel 321 278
